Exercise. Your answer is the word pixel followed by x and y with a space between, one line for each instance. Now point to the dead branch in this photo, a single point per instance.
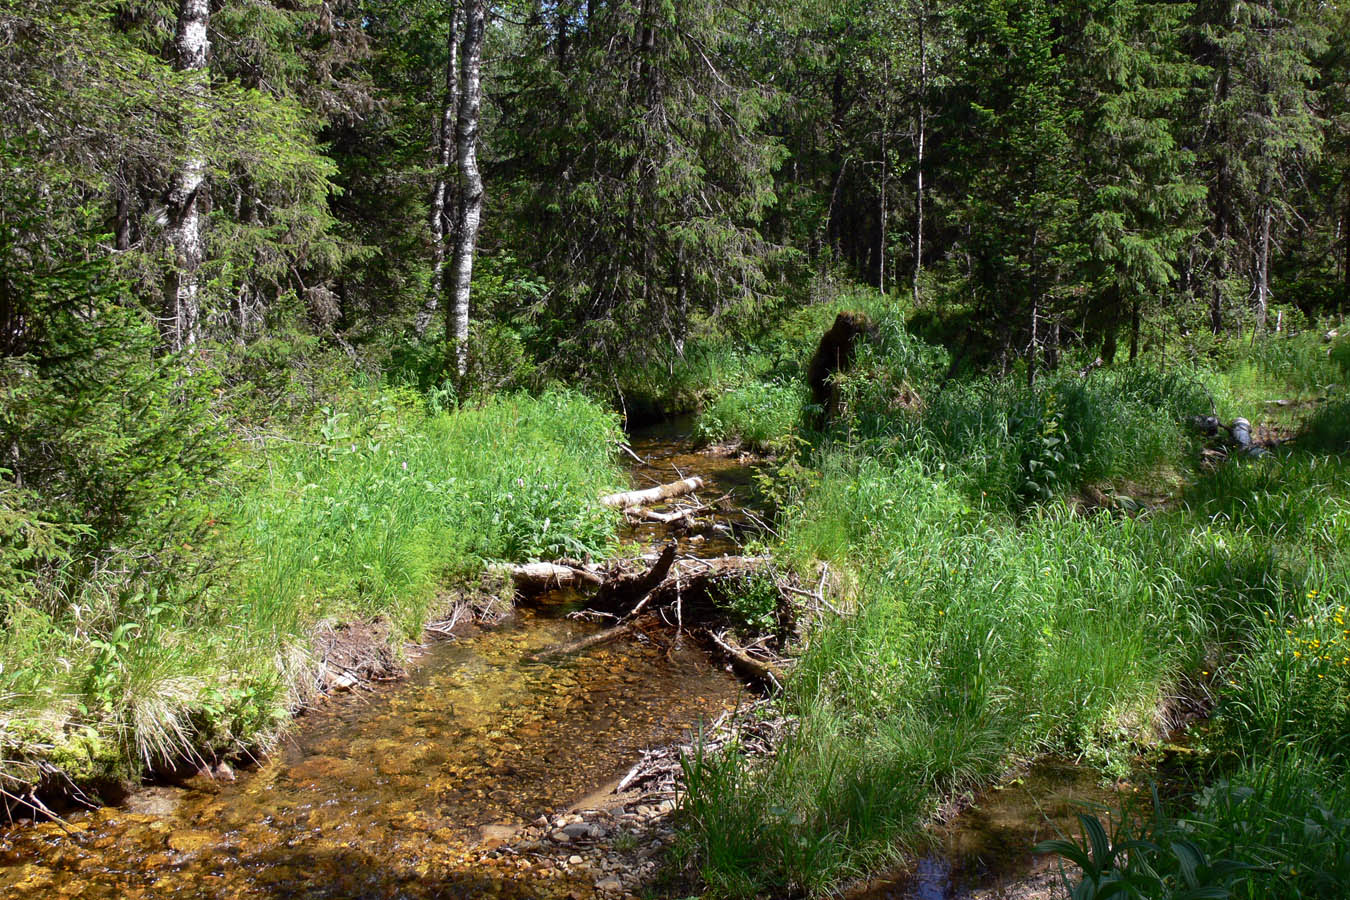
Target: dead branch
pixel 585 643
pixel 765 673
pixel 647 497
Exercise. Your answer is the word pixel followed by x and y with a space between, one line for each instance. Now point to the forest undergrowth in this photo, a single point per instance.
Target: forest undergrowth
pixel 1055 570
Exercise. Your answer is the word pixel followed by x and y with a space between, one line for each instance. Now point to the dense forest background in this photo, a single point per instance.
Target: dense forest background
pixel 1046 175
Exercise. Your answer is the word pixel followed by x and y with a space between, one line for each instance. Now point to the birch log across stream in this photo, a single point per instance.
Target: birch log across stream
pixel 632 499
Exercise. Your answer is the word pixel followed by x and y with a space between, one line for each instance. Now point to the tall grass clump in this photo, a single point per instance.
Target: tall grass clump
pixel 1287 819
pixel 1010 444
pixel 1295 367
pixel 383 513
pixel 975 642
pixel 657 388
pixel 1328 429
pixel 364 516
pixel 761 415
pixel 1266 569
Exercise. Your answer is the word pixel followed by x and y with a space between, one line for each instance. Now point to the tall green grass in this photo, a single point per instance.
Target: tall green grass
pixel 1291 368
pixel 1004 442
pixel 976 642
pixel 369 516
pixel 992 623
pixel 761 415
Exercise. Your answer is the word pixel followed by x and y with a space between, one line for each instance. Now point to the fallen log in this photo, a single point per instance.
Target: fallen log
pixel 765 673
pixel 630 499
pixel 543 576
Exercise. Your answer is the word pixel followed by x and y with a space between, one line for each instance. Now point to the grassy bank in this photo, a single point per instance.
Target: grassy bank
pixel 997 616
pixel 367 515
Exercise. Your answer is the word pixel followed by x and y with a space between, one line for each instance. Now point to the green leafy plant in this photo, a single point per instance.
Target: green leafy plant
pixel 1150 859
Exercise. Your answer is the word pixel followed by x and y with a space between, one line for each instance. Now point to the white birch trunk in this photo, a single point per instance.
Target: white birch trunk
pixel 440 221
pixel 183 207
pixel 470 182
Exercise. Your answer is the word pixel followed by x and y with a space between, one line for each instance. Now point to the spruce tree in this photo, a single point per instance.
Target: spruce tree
pixel 1015 139
pixel 640 169
pixel 1260 127
pixel 1141 193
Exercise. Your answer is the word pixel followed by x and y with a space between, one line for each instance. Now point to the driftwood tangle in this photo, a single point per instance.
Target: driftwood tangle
pixel 687 593
pixel 1240 431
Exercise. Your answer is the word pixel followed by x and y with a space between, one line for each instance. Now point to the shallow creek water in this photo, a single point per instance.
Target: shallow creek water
pixel 385 793
pixel 985 851
pixel 391 792
pixel 729 486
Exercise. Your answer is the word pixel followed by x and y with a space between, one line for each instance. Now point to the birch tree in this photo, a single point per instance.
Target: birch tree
pixel 470 205
pixel 184 202
pixel 443 212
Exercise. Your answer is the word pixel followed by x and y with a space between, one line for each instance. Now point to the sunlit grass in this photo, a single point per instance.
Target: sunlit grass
pixel 371 516
pixel 993 623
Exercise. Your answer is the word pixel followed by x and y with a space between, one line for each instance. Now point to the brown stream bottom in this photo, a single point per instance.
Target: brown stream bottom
pixel 386 795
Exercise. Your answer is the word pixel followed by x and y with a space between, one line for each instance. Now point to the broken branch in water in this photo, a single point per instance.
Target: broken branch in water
pixel 585 643
pixel 629 450
pixel 765 673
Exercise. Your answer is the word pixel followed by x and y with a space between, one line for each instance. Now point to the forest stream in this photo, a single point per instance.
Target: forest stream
pixel 395 791
pixel 406 790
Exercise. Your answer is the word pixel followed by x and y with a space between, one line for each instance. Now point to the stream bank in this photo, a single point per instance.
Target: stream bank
pixel 483 773
pixel 430 787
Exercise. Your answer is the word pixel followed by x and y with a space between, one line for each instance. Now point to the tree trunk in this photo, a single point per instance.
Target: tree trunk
pixel 881 212
pixel 1221 215
pixel 444 186
pixel 1033 346
pixel 1220 274
pixel 470 183
pixel 1345 235
pixel 122 222
pixel 543 576
pixel 181 321
pixel 1134 329
pixel 922 135
pixel 1263 262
